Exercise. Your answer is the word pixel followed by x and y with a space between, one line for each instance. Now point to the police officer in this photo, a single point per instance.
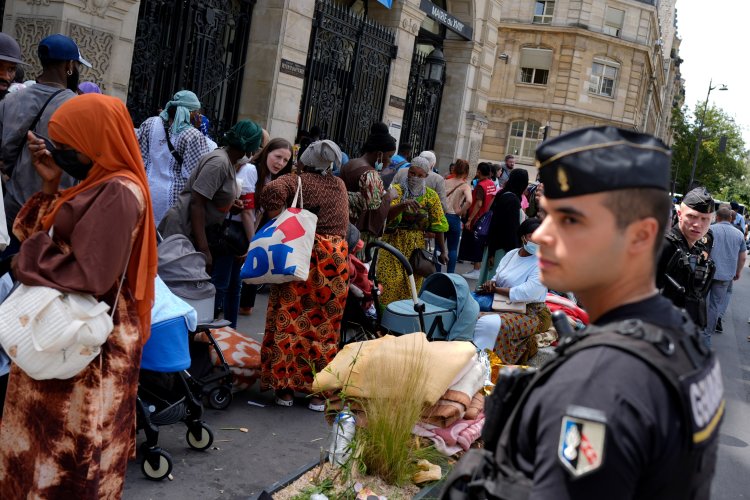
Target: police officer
pixel 630 408
pixel 685 270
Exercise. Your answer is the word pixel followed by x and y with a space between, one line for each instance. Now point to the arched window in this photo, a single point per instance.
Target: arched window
pixel 524 137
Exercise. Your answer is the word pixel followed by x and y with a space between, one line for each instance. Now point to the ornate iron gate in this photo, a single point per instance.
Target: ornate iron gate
pixel 198 45
pixel 348 64
pixel 422 106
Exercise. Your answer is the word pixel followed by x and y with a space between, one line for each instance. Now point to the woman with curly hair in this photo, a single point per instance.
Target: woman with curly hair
pixel 303 318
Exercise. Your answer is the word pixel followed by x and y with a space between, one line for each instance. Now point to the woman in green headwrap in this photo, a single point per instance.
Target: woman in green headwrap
pixel 206 202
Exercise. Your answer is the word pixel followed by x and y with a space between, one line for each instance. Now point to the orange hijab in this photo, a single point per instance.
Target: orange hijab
pixel 100 127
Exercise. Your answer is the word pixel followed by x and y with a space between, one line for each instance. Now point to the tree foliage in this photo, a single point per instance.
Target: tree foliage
pixel 726 174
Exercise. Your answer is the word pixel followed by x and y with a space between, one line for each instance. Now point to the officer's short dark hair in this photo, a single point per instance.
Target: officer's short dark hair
pixel 630 205
pixel 404 148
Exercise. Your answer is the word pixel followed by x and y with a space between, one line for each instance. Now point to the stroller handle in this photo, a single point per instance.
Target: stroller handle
pixel 371 253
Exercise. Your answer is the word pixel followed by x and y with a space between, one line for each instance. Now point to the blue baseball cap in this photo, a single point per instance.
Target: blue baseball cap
pixel 60 48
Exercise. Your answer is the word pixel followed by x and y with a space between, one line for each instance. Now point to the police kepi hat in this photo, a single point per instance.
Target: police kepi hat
pixel 61 48
pixel 700 200
pixel 9 49
pixel 597 159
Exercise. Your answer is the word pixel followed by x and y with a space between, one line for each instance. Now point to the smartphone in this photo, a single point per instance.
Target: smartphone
pixel 47 141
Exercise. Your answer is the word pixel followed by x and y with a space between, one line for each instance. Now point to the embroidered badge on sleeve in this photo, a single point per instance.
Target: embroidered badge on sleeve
pixel 582 440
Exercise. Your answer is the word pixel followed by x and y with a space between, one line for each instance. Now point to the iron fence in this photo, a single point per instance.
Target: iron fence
pixel 348 65
pixel 198 45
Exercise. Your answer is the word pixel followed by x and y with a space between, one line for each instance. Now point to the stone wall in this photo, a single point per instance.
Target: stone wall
pixel 103 29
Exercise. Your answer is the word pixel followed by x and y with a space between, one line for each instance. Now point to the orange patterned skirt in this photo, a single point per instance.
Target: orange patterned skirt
pixel 303 319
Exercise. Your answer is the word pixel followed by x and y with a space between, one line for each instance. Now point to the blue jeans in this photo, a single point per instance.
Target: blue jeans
pixel 718 300
pixel 484 300
pixel 453 237
pixel 226 278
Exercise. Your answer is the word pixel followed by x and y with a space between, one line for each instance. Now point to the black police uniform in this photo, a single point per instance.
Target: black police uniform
pixel 631 407
pixel 684 273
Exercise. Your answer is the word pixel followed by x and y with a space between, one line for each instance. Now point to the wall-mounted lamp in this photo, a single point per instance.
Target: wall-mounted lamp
pixel 504 57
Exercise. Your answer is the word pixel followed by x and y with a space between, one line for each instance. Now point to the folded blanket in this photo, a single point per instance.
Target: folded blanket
pixel 557 303
pixel 169 306
pixel 457 437
pixel 241 353
pixel 458 398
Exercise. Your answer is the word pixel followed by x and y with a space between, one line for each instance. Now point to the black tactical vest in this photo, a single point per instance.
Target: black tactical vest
pixel 688 277
pixel 688 368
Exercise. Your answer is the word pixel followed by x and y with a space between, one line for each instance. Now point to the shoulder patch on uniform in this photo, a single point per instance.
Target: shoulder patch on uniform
pixel 582 440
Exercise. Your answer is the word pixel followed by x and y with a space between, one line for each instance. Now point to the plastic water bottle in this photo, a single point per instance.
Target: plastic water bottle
pixel 344 427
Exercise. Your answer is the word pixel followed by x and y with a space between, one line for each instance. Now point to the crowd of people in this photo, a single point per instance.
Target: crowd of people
pixel 86 195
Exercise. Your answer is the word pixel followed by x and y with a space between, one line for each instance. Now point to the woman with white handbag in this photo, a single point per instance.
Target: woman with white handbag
pixel 68 428
pixel 304 317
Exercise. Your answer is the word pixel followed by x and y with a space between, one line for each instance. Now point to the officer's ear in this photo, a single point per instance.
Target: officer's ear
pixel 641 236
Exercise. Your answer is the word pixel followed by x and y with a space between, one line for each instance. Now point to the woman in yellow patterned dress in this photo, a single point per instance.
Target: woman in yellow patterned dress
pixel 415 209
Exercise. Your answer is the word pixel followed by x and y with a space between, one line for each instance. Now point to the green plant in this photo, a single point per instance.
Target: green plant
pixel 394 403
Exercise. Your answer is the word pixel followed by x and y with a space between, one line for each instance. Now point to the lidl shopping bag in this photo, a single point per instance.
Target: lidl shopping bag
pixel 280 251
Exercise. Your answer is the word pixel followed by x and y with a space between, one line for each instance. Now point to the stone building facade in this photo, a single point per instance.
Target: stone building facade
pixel 272 96
pixel 567 64
pixel 510 66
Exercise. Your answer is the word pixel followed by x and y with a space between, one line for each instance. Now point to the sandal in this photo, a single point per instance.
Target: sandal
pixel 284 397
pixel 315 406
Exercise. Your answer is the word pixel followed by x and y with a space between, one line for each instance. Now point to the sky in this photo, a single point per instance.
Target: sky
pixel 714 39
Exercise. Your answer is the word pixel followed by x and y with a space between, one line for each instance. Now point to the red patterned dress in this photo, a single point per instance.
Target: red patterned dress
pixel 304 317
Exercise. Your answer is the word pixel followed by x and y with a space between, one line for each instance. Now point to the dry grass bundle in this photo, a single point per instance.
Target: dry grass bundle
pixel 393 405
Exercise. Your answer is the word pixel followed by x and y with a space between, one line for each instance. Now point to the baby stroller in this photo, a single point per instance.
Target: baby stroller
pixel 166 391
pixel 183 270
pixel 359 321
pixel 444 308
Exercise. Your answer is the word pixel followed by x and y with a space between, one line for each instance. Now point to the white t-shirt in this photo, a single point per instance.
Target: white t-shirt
pixel 247 178
pixel 521 275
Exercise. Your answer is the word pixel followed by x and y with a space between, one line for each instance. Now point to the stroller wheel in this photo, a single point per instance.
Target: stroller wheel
pixel 220 397
pixel 156 465
pixel 203 441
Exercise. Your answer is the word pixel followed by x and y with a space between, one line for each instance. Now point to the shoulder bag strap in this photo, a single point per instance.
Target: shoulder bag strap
pixel 177 156
pixel 298 194
pixel 122 278
pixel 41 111
pixel 454 189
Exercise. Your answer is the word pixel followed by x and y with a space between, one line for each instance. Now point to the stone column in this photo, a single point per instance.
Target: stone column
pixel 280 30
pixel 103 29
pixel 405 18
pixel 469 67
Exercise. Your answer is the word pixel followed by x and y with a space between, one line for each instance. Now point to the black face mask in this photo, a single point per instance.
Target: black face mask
pixel 67 160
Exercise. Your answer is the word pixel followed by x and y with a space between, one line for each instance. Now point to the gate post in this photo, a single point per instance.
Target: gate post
pixel 104 31
pixel 404 18
pixel 276 58
pixel 469 67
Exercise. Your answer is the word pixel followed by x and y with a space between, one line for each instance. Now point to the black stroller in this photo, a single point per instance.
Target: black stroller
pixel 183 270
pixel 167 392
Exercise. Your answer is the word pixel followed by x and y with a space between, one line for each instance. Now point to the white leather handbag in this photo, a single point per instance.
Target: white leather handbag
pixel 51 334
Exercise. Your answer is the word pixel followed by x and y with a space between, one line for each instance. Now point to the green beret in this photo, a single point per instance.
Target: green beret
pixel 598 159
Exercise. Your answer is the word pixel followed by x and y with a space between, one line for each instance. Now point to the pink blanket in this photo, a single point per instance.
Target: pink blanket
pixel 455 438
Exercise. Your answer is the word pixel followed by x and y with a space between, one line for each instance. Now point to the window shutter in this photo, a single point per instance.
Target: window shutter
pixel 536 58
pixel 614 17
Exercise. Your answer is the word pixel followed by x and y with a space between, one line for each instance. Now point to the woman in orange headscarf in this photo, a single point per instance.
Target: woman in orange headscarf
pixel 72 438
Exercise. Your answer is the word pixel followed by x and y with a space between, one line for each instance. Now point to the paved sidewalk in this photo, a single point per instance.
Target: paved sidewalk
pixel 732 480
